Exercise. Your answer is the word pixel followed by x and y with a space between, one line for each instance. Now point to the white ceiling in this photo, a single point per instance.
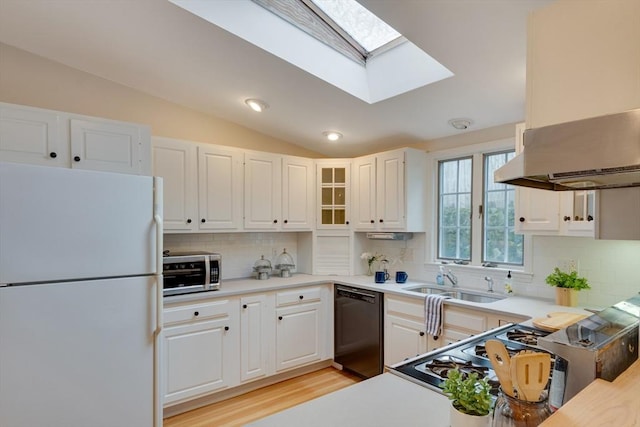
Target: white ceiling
pixel 159 48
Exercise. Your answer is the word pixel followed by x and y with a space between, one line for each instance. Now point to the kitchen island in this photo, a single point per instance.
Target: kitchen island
pixel 382 401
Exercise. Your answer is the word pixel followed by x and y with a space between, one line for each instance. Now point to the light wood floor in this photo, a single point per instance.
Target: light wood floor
pixel 258 404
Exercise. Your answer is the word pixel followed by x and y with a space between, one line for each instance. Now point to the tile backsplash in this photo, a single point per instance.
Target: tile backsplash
pixel 239 250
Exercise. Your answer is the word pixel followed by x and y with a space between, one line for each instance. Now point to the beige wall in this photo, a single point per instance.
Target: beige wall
pixel 29 79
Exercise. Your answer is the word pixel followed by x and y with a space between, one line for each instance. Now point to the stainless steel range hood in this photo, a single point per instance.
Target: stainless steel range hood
pixel 596 153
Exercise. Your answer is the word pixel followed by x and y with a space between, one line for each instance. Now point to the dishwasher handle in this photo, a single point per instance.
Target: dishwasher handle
pixel 356 294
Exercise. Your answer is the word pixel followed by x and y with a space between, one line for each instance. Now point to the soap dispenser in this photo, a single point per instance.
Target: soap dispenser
pixel 507 284
pixel 440 276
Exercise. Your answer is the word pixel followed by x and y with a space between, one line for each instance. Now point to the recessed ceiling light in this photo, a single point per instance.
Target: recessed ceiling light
pixel 332 135
pixel 256 104
pixel 461 124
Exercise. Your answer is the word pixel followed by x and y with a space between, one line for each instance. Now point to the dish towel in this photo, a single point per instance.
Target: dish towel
pixel 433 314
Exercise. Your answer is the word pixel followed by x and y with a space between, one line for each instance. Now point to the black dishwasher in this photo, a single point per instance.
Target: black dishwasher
pixel 358 330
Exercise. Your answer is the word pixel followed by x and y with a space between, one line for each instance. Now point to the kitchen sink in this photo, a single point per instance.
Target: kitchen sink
pixel 430 290
pixel 464 295
pixel 481 298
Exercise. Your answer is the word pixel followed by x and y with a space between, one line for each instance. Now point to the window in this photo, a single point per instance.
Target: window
pixel 499 244
pixel 454 214
pixel 485 234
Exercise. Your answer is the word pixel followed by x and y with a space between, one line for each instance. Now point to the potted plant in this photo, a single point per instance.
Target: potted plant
pixel 471 399
pixel 567 286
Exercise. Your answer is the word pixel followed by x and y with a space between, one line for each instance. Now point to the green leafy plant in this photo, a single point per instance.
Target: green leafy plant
pixel 571 280
pixel 468 393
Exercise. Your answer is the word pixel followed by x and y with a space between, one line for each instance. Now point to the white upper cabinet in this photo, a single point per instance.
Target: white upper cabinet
pixel 53 138
pixel 545 212
pixel 333 186
pixel 202 185
pixel 535 210
pixel 279 192
pixel 262 191
pixel 297 193
pixel 364 193
pixel 33 136
pixel 389 191
pixel 219 188
pixel 175 161
pixel 106 145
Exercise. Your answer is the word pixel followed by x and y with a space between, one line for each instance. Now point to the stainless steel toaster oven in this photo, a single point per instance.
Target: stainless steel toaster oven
pixel 186 273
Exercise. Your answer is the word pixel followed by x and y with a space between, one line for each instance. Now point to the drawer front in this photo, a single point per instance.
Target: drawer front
pixel 462 319
pixel 196 312
pixel 406 308
pixel 298 296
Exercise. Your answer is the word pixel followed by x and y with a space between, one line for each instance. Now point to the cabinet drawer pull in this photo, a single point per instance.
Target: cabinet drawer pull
pixel 421 333
pixel 381 220
pixel 347 222
pixel 279 317
pixel 76 159
pixel 196 313
pixel 53 154
pixel 521 219
pixel 203 220
pixel 188 220
pixel 286 221
pixel 373 222
pixel 301 297
pixel 244 305
pixel 226 328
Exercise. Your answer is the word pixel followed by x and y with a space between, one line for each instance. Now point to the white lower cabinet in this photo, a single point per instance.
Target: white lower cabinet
pixel 301 327
pixel 257 325
pixel 218 343
pixel 200 349
pixel 404 329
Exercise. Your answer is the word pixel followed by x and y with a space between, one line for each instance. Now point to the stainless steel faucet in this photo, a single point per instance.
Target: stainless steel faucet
pixel 452 277
pixel 489 282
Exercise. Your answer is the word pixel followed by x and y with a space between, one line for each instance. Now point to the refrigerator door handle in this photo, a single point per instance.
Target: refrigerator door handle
pixel 157 366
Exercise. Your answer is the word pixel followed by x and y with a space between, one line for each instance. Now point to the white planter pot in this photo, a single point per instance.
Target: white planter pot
pixel 460 419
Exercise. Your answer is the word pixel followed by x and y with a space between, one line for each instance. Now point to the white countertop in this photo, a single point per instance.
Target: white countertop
pixel 382 401
pixel 526 307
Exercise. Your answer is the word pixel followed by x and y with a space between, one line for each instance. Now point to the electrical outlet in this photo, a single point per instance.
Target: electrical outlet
pixel 568 265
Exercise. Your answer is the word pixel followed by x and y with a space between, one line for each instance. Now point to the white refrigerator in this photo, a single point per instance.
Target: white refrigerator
pixel 80 298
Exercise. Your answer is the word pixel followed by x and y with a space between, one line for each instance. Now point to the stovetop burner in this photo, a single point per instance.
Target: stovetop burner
pixel 525 336
pixel 469 356
pixel 440 367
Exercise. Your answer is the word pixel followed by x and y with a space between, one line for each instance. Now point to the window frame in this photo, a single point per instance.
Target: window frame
pixel 477 151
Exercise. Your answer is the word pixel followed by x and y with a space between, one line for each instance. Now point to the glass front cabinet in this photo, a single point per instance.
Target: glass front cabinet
pixel 333 180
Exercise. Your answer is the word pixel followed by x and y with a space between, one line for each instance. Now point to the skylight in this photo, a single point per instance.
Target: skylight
pixel 305 34
pixel 364 27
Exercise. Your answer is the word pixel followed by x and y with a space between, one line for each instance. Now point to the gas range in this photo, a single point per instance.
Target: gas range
pixel 430 370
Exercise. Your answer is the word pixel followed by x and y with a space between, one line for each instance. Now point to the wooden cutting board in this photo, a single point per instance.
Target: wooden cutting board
pixel 557 320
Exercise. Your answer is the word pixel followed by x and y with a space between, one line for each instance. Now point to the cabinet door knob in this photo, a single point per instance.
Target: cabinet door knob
pixel 188 220
pixel 347 222
pixel 196 313
pixel 53 154
pixel 286 221
pixel 244 305
pixel 373 222
pixel 589 218
pixel 275 221
pixel 381 220
pixel 203 220
pixel 421 333
pixel 226 328
pixel 567 218
pixel 301 297
pixel 521 219
pixel 76 159
pixel 279 317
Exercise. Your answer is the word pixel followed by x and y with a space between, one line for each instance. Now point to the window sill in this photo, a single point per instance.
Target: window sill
pixel 519 275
